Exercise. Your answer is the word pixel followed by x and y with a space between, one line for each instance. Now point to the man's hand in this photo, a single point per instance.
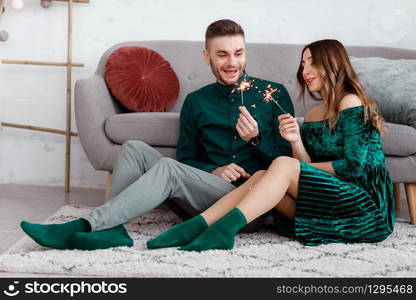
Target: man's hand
pixel 230 173
pixel 246 126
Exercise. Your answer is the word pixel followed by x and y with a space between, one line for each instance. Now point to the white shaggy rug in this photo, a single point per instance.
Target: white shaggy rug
pixel 261 254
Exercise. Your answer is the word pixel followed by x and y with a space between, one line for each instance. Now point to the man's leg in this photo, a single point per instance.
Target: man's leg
pixel 134 160
pixel 281 179
pixel 183 233
pixel 168 178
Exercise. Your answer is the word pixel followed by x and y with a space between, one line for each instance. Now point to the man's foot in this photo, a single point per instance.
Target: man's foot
pixel 220 235
pixel 55 235
pixel 180 234
pixel 103 239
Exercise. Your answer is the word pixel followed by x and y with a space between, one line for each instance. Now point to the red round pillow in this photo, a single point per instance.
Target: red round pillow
pixel 141 79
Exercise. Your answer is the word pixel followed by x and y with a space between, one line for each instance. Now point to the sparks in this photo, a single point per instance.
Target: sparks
pixel 244 85
pixel 268 96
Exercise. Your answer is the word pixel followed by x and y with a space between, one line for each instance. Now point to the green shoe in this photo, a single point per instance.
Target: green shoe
pixel 180 234
pixel 103 239
pixel 220 235
pixel 55 235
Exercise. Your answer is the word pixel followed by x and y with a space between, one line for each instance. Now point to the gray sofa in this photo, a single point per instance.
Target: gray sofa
pixel 103 125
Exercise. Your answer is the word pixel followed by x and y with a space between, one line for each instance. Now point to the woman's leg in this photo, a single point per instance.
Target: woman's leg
pixel 183 233
pixel 281 178
pixel 286 206
pixel 230 200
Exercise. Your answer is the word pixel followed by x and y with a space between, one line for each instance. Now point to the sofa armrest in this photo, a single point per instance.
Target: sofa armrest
pixel 93 106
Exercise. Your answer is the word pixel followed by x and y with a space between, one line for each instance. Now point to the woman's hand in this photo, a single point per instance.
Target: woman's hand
pixel 289 128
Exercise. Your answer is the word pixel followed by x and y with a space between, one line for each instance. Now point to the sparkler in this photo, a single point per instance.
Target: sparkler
pixel 244 85
pixel 268 96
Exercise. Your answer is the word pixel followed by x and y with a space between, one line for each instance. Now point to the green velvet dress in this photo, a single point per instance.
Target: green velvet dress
pixel 358 204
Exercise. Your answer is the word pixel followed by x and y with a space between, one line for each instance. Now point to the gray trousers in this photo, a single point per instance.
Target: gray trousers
pixel 143 179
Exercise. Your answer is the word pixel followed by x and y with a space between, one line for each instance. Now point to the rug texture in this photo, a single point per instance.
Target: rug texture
pixel 260 254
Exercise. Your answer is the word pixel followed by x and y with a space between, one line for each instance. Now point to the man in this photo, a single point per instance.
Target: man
pixel 221 143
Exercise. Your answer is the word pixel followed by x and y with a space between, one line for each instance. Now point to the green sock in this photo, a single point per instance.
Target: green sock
pixel 55 235
pixel 112 237
pixel 180 234
pixel 219 235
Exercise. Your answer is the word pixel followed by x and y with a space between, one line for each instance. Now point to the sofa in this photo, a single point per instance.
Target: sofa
pixel 103 125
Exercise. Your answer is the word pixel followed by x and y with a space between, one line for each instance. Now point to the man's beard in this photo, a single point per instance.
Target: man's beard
pixel 217 74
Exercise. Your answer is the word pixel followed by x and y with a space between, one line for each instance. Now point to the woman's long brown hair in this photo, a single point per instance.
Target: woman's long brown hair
pixel 339 79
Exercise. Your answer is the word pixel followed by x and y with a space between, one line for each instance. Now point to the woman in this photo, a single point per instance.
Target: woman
pixel 336 188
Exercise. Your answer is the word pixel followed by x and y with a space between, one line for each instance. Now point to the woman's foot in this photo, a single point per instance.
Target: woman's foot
pixel 180 234
pixel 220 235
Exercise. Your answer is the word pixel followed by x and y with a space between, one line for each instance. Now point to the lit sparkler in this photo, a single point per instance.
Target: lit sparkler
pixel 244 85
pixel 268 96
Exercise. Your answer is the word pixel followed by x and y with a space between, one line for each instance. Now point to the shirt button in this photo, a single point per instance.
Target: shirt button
pixel 235 137
pixel 233 156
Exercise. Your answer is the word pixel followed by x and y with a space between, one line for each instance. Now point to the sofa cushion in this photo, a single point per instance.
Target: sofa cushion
pixel 391 83
pixel 141 79
pixel 401 169
pixel 399 140
pixel 155 129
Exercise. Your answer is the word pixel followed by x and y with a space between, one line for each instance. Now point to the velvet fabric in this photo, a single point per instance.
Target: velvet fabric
pixel 141 79
pixel 356 205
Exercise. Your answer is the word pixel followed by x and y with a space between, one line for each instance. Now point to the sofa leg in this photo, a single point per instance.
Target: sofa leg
pixel 107 185
pixel 397 194
pixel 410 189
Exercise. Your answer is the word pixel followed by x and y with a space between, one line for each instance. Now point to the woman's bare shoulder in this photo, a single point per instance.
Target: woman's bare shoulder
pixel 350 100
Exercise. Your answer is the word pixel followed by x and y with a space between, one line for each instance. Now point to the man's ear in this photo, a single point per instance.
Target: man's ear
pixel 206 56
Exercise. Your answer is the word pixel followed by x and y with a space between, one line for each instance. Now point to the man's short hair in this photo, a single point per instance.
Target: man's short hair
pixel 222 27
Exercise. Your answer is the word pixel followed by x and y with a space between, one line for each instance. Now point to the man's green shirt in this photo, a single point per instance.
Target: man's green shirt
pixel 208 137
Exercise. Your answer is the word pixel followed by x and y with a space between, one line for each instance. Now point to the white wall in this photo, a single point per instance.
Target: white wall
pixel 36 95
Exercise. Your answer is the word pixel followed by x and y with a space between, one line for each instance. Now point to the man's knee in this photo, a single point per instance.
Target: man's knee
pixel 167 161
pixel 169 166
pixel 138 150
pixel 135 146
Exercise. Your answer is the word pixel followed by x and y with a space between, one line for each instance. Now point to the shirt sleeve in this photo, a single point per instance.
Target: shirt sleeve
pixel 355 133
pixel 272 144
pixel 189 149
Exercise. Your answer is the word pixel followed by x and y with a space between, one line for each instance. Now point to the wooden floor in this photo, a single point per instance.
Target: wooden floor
pixel 36 203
